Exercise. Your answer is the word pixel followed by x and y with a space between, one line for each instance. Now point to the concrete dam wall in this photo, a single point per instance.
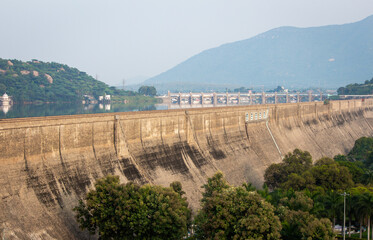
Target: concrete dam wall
pixel 48 163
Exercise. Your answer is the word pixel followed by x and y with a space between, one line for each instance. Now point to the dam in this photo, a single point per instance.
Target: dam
pixel 48 163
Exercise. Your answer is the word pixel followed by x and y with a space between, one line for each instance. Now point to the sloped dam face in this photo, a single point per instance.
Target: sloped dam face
pixel 47 164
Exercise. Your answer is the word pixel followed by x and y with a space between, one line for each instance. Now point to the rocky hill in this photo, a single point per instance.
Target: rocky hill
pixel 49 82
pixel 328 56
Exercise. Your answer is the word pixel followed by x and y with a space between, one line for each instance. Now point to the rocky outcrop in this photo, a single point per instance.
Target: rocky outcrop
pixel 25 72
pixel 48 163
pixel 35 73
pixel 49 78
pixel 10 63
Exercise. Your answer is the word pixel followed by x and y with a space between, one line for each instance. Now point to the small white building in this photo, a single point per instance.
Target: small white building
pixel 5 100
pixel 107 97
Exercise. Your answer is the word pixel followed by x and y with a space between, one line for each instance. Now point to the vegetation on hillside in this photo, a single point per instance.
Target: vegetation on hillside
pixel 365 88
pixel 34 81
pixel 301 199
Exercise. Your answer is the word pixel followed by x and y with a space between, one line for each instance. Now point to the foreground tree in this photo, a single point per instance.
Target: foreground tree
pixel 117 211
pixel 325 174
pixel 297 221
pixel 296 162
pixel 234 213
pixel 364 205
pixel 329 175
pixel 363 146
pixel 299 225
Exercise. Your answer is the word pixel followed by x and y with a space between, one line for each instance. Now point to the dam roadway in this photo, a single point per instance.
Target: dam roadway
pixel 48 163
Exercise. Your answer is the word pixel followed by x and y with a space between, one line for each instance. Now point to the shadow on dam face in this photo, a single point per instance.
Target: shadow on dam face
pixel 48 163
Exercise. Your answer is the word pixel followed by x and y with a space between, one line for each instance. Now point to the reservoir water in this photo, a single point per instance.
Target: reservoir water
pixel 55 109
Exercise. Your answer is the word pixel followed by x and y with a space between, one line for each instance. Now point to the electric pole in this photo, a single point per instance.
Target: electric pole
pixel 344 214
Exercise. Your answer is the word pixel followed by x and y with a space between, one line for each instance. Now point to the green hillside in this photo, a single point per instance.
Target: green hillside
pixel 50 82
pixel 365 88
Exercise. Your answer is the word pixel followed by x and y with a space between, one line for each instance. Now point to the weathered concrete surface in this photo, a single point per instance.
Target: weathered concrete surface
pixel 47 164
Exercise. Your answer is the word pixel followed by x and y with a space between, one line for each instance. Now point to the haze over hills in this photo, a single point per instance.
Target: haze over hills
pixel 327 57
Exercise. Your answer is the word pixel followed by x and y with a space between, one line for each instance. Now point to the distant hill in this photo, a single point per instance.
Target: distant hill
pixel 365 88
pixel 328 56
pixel 49 82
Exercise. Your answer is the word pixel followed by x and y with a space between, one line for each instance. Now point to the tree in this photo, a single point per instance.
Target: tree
pixel 297 221
pixel 367 177
pixel 177 187
pixel 369 161
pixel 296 162
pixel 234 213
pixel 363 146
pixel 298 225
pixel 365 207
pixel 333 202
pixel 147 90
pixel 2 89
pixel 355 168
pixel 117 211
pixel 330 175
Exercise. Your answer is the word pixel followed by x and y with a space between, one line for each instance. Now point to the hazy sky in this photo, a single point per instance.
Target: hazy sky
pixel 118 39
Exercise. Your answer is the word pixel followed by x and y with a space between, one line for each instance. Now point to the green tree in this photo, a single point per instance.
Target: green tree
pixel 365 207
pixel 117 211
pixel 369 161
pixel 299 225
pixel 356 168
pixel 234 213
pixel 296 162
pixel 297 221
pixel 177 187
pixel 333 201
pixel 367 177
pixel 2 89
pixel 329 175
pixel 147 90
pixel 363 146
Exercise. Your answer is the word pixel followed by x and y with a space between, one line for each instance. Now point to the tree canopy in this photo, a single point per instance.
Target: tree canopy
pixel 117 211
pixel 297 172
pixel 148 90
pixel 234 213
pixel 296 162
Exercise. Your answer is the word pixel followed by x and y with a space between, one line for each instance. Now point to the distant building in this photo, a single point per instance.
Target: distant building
pixel 5 100
pixel 104 99
pixel 6 103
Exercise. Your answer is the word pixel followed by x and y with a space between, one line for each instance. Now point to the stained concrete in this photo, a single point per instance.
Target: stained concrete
pixel 48 163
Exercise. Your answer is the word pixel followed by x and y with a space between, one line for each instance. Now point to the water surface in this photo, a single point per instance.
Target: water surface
pixel 55 109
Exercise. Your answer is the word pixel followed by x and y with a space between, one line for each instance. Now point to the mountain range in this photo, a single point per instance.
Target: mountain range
pixel 326 57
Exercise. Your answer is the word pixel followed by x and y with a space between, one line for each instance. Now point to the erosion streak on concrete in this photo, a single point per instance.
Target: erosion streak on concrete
pixel 48 163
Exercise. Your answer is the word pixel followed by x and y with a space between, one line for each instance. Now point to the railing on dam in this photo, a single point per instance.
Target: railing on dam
pixel 248 98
